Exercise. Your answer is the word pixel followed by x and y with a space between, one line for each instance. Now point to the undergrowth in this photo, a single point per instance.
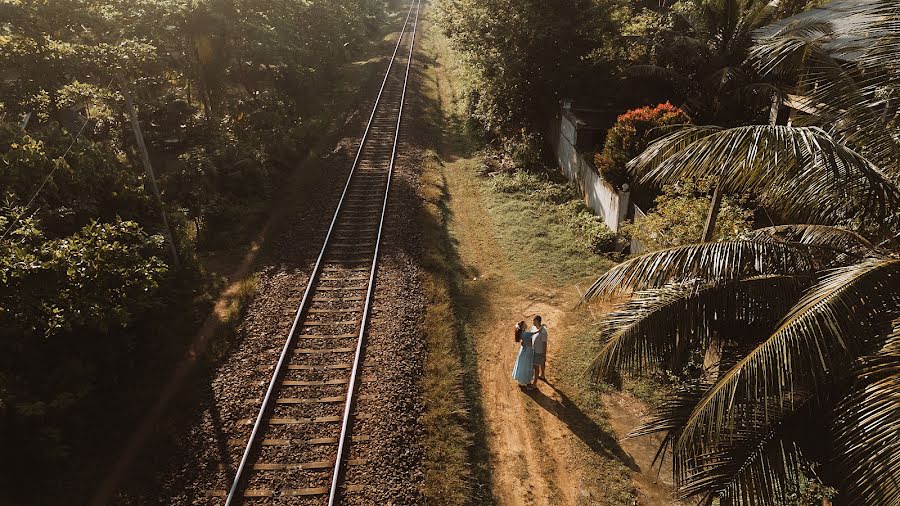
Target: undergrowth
pixel 448 476
pixel 546 227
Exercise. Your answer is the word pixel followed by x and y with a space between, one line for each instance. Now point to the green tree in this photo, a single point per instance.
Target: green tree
pixel 89 183
pixel 101 277
pixel 229 94
pixel 68 308
pixel 521 55
pixel 702 56
pixel 679 217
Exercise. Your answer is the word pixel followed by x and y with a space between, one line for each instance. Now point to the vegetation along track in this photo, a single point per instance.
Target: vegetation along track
pixel 311 424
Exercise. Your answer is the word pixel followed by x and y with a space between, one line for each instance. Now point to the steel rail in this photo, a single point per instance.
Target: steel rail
pixel 282 359
pixel 333 495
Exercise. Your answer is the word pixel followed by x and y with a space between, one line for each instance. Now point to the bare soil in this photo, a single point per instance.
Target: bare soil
pixel 548 446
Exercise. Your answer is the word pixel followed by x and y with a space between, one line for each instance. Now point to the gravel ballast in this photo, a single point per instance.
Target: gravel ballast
pixel 390 396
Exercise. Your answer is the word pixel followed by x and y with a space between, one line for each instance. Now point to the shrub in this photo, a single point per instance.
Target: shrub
pixel 555 192
pixel 680 216
pixel 524 151
pixel 631 134
pixel 533 186
pixel 593 233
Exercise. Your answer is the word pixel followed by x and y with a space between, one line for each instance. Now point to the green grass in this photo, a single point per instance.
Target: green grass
pixel 537 234
pixel 609 474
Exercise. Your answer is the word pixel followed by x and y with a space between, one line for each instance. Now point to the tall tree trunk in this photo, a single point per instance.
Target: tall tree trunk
pixel 714 350
pixel 713 214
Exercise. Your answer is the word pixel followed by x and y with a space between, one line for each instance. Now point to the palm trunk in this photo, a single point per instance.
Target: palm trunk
pixel 713 214
pixel 714 351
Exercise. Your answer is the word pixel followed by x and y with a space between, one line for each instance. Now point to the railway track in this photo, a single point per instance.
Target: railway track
pixel 310 429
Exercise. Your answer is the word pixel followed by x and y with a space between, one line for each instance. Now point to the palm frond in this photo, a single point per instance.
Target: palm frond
pixel 809 343
pixel 713 262
pixel 757 463
pixel 725 78
pixel 670 416
pixel 867 426
pixel 646 332
pixel 883 20
pixel 789 55
pixel 849 84
pixel 854 111
pixel 840 239
pixel 756 466
pixel 799 171
pixel 805 27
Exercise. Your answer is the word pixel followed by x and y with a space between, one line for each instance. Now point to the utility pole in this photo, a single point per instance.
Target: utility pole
pixel 150 178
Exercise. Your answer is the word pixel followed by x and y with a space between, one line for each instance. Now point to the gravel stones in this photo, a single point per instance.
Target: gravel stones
pixel 386 454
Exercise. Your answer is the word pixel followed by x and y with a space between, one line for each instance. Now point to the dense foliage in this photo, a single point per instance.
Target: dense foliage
pixel 680 214
pixel 631 134
pixel 797 322
pixel 520 56
pixel 230 95
pixel 699 51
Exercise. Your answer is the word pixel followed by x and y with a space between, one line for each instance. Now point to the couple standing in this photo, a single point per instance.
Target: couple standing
pixel 532 355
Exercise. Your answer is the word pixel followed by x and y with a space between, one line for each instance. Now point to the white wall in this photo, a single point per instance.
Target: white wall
pixel 599 195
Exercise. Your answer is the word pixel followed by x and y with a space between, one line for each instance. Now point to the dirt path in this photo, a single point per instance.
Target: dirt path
pixel 564 443
pixel 534 438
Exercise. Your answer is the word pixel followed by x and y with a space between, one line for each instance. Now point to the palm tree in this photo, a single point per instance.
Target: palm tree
pixel 705 60
pixel 808 321
pixel 850 90
pixel 802 322
pixel 846 80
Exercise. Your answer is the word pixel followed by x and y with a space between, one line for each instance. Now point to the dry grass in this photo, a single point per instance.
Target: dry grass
pixel 448 475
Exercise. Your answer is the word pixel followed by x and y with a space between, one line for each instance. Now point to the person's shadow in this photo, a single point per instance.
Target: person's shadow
pixel 582 426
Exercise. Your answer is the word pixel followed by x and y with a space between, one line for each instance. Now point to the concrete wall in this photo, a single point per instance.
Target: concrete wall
pixel 599 195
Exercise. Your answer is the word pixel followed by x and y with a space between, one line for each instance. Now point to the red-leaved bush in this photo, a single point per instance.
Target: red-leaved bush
pixel 631 134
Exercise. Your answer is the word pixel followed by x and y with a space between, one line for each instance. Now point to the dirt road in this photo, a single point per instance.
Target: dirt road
pixel 544 448
pixel 564 443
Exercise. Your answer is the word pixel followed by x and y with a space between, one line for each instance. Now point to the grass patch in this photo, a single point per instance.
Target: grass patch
pixel 546 230
pixel 449 478
pixel 608 474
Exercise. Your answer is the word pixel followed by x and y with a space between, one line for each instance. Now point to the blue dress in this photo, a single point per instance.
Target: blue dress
pixel 523 371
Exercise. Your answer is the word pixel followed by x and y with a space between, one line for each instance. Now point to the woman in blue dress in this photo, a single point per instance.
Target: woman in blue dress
pixel 523 371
